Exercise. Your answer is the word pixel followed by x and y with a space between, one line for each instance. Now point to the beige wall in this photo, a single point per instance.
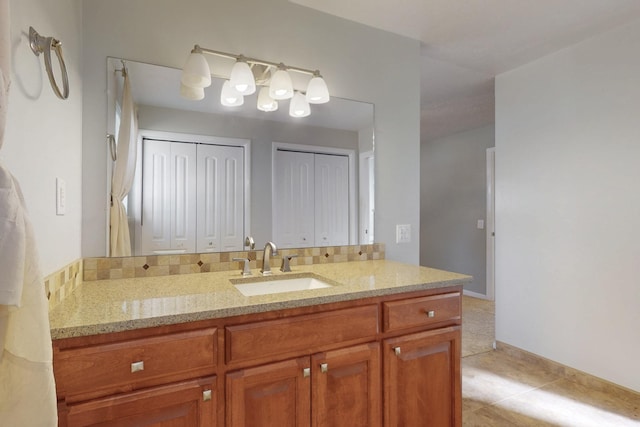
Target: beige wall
pixel 568 206
pixel 43 139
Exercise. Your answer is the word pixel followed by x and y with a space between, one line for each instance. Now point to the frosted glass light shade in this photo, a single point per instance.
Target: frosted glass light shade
pixel 281 86
pixel 317 92
pixel 299 107
pixel 196 72
pixel 265 102
pixel 192 93
pixel 229 97
pixel 242 78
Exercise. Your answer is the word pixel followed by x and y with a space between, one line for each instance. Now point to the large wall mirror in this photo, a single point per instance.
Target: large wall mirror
pixel 208 176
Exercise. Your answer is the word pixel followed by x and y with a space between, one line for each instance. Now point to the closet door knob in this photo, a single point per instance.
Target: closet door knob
pixel 397 351
pixel 324 367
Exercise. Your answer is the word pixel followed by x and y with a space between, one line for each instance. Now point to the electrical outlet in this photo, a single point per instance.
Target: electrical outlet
pixel 403 233
pixel 61 196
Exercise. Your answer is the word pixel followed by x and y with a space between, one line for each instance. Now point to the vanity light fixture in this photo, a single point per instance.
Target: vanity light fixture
pixel 281 86
pixel 246 75
pixel 241 78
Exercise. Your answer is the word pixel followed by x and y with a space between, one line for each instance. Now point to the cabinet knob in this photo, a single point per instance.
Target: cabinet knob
pixel 137 366
pixel 430 313
pixel 324 367
pixel 306 372
pixel 397 351
pixel 206 395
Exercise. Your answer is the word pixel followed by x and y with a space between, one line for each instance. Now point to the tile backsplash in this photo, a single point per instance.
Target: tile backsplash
pixel 164 265
pixel 62 283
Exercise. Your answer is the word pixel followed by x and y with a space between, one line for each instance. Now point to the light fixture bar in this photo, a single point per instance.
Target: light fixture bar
pixel 246 76
pixel 200 49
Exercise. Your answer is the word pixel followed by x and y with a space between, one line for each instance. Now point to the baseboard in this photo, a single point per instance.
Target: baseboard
pixel 475 295
pixel 568 372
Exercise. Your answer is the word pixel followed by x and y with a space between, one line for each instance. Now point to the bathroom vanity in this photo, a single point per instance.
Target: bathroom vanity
pixel 380 347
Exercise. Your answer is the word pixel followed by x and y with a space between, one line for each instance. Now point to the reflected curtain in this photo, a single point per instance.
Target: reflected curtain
pixel 123 173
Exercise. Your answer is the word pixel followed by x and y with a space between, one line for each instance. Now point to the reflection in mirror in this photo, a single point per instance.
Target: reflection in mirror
pixel 208 176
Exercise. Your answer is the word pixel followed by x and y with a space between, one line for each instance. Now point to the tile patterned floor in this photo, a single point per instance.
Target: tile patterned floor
pixel 501 390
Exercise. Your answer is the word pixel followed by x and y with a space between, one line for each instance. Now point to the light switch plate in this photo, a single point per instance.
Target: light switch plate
pixel 481 224
pixel 61 196
pixel 403 233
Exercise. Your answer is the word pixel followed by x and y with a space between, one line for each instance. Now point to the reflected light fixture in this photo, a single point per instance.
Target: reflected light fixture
pixel 229 96
pixel 281 86
pixel 299 107
pixel 192 93
pixel 265 102
pixel 247 74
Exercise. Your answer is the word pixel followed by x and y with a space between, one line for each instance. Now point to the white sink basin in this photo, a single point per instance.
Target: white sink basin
pixel 277 286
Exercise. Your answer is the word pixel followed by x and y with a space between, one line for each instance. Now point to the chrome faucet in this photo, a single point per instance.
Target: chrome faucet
pixel 266 267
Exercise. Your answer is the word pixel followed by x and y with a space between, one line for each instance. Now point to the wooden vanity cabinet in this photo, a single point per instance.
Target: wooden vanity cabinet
pixel 381 361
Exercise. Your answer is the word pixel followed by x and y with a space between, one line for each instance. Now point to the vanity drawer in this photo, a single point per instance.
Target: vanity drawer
pixel 95 371
pixel 303 333
pixel 424 311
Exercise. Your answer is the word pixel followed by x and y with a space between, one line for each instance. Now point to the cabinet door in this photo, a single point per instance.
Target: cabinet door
pixel 220 206
pixel 185 404
pixel 293 199
pixel 331 200
pixel 346 387
pixel 274 395
pixel 422 379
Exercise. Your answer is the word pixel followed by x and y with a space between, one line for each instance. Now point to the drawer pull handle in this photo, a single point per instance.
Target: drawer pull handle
pixel 430 313
pixel 206 395
pixel 324 367
pixel 397 351
pixel 306 372
pixel 137 366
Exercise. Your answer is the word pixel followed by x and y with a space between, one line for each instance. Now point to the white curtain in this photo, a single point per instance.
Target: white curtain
pixel 27 386
pixel 123 173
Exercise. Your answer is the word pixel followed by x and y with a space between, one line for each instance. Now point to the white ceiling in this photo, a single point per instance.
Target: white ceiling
pixel 465 43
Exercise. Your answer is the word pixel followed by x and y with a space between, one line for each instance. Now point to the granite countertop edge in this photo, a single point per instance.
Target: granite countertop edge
pixel 62 327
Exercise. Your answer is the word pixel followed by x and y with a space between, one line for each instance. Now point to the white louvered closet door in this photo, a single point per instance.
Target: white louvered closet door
pixel 293 198
pixel 331 200
pixel 220 192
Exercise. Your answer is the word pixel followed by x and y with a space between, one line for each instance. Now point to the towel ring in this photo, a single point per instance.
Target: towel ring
pixel 112 146
pixel 41 44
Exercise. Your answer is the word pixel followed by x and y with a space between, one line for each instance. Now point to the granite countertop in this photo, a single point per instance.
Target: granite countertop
pixel 124 304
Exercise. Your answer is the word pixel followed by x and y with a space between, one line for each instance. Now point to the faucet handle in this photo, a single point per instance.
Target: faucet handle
pixel 246 271
pixel 250 242
pixel 286 267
